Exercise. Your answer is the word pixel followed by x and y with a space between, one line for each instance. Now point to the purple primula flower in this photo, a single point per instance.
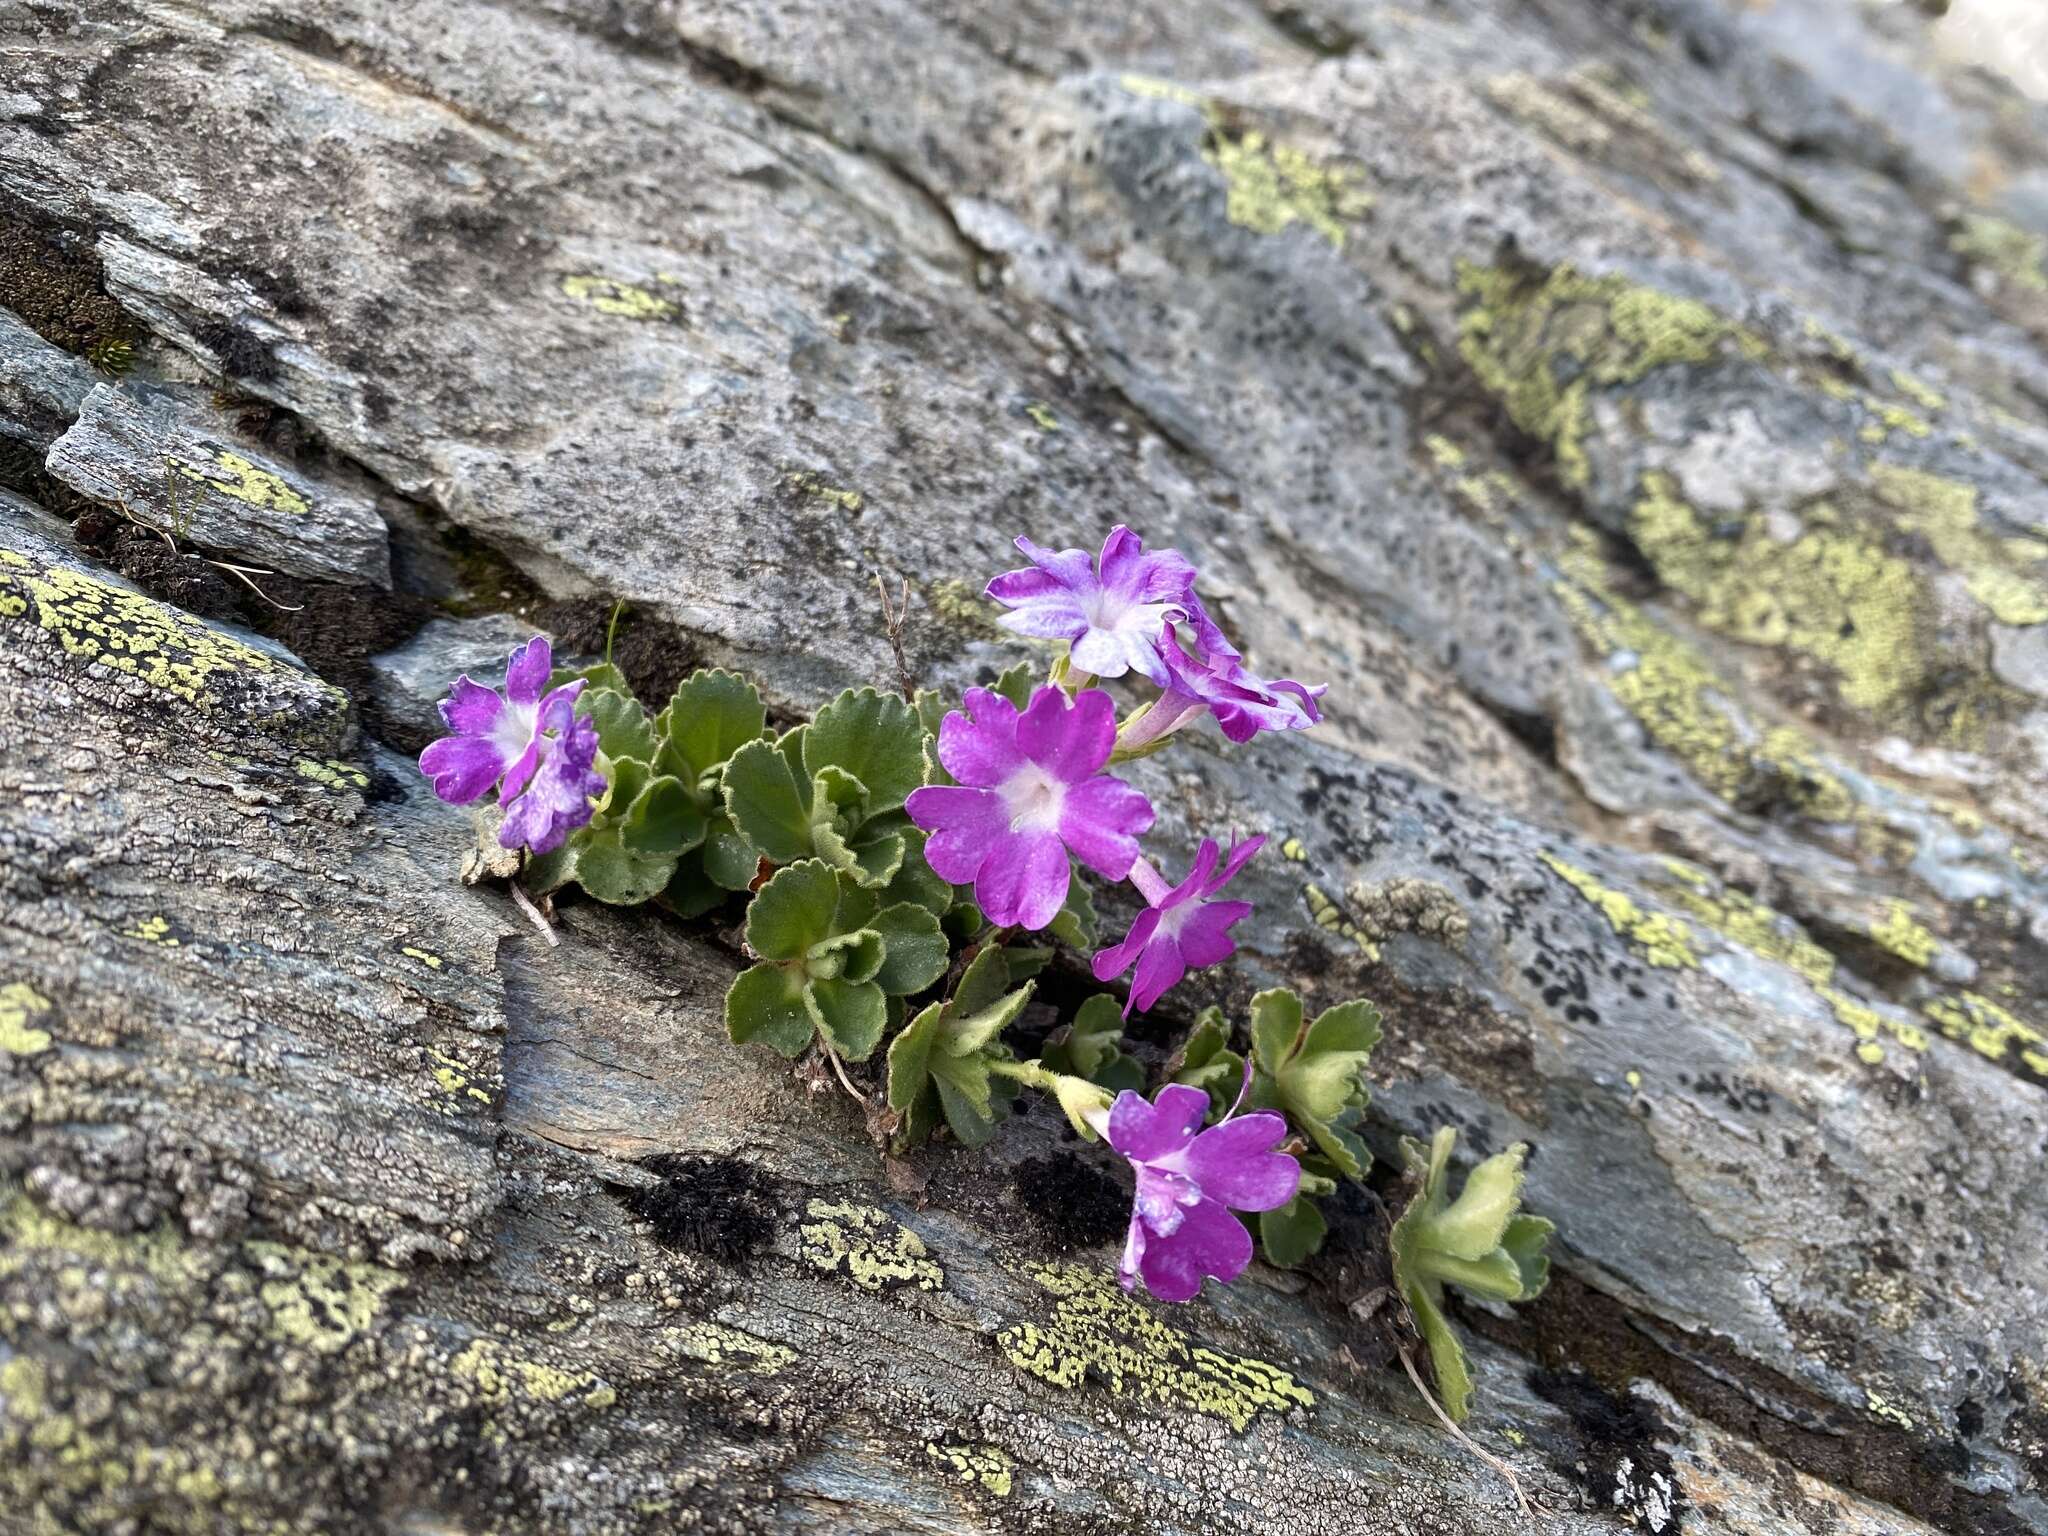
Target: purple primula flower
pixel 1189 1181
pixel 1214 679
pixel 1031 791
pixel 1110 611
pixel 1184 928
pixel 532 747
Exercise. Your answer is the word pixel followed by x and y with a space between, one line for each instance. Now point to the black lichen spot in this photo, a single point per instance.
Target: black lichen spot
pixel 240 352
pixel 1071 1201
pixel 1617 1459
pixel 719 1207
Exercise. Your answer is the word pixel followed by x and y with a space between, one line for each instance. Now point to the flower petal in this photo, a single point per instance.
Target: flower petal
pixel 980 748
pixel 1209 1241
pixel 1040 604
pixel 1240 855
pixel 1023 879
pixel 1143 1132
pixel 1235 1163
pixel 1134 1253
pixel 470 708
pixel 526 674
pixel 1114 961
pixel 462 768
pixel 1205 936
pixel 1127 572
pixel 558 800
pixel 1101 821
pixel 1069 739
pixel 963 824
pixel 1160 967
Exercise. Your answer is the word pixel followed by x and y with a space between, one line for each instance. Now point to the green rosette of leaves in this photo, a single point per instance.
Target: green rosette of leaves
pixel 1481 1242
pixel 833 790
pixel 831 959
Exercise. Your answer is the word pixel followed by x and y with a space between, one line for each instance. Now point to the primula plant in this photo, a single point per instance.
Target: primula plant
pixel 908 869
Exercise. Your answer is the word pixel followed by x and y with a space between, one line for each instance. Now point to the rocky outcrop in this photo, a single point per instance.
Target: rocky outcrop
pixel 1634 412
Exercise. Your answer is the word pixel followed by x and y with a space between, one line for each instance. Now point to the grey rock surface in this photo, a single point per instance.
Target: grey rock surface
pixel 169 467
pixel 409 683
pixel 1637 414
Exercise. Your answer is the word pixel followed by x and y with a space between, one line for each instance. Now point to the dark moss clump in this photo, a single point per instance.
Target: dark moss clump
pixel 55 283
pixel 719 1207
pixel 1617 1459
pixel 653 655
pixel 240 353
pixel 1072 1202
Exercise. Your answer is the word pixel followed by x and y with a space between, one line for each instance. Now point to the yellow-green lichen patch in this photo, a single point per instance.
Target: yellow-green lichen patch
pixel 1544 344
pixel 1773 936
pixel 1270 186
pixel 1990 1029
pixel 717 1345
pixel 1685 705
pixel 1929 400
pixel 1748 923
pixel 127 632
pixel 1898 932
pixel 1098 1333
pixel 621 299
pixel 500 1376
pixel 866 1246
pixel 22 1009
pixel 1041 416
pixel 1331 918
pixel 983 1466
pixel 2013 255
pixel 33 1234
pixel 1828 593
pixel 1162 90
pixel 1944 512
pixel 320 1303
pixel 152 930
pixel 240 479
pixel 964 607
pixel 426 957
pixel 455 1080
pixel 813 484
pixel 332 773
pixel 1662 940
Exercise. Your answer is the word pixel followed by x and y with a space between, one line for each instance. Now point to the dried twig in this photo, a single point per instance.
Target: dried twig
pixel 892 623
pixel 243 573
pixel 1529 1508
pixel 533 914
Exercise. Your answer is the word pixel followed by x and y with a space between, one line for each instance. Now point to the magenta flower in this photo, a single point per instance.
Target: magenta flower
pixel 1189 1183
pixel 1031 791
pixel 1214 679
pixel 1184 928
pixel 535 749
pixel 1110 611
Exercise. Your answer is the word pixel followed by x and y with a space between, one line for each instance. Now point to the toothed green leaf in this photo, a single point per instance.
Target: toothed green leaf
pixel 711 716
pixel 917 951
pixel 793 911
pixel 851 1015
pixel 766 1005
pixel 763 802
pixel 1293 1232
pixel 874 736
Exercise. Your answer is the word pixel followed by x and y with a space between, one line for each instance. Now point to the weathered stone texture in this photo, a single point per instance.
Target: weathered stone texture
pixel 1637 413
